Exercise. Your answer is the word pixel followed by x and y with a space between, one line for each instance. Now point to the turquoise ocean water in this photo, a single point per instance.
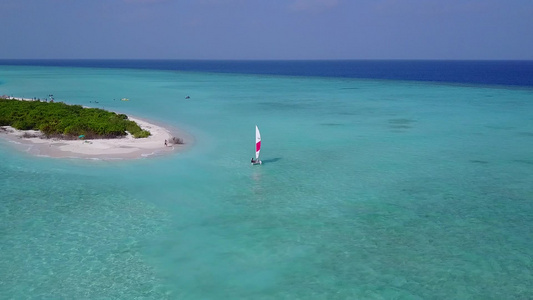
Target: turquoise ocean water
pixel 369 189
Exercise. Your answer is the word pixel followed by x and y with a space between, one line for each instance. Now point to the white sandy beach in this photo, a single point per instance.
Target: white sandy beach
pixel 119 148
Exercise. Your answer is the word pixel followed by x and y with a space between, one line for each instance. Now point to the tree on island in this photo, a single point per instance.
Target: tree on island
pixel 67 121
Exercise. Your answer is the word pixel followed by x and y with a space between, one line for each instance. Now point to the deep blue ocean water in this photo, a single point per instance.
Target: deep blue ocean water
pixel 381 180
pixel 513 73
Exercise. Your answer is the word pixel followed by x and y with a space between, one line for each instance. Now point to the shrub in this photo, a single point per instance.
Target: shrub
pixel 141 134
pixel 22 125
pixel 60 119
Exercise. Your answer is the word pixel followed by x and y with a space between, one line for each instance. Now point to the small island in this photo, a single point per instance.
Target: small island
pixel 57 119
pixel 56 129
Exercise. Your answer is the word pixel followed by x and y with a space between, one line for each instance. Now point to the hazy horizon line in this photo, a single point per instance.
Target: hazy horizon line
pixel 271 59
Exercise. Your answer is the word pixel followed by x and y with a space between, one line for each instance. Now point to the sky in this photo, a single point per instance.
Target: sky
pixel 266 29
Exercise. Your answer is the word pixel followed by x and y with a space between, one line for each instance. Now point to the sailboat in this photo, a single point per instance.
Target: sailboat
pixel 257 161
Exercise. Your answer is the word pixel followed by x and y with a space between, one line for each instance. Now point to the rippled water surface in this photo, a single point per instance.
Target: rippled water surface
pixel 368 190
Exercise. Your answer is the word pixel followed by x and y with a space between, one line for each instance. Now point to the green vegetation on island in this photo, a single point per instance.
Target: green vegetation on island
pixel 66 121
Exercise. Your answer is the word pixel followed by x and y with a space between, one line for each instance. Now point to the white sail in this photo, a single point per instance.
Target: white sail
pixel 257 142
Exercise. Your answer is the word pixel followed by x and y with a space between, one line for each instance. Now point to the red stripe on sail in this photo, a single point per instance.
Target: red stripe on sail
pixel 257 146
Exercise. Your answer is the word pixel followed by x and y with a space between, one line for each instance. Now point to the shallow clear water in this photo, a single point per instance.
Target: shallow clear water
pixel 368 190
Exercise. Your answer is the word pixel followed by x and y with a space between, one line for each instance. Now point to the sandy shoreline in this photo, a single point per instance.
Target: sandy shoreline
pixel 119 148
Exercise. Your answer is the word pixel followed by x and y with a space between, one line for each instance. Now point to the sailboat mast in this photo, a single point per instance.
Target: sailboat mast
pixel 257 142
